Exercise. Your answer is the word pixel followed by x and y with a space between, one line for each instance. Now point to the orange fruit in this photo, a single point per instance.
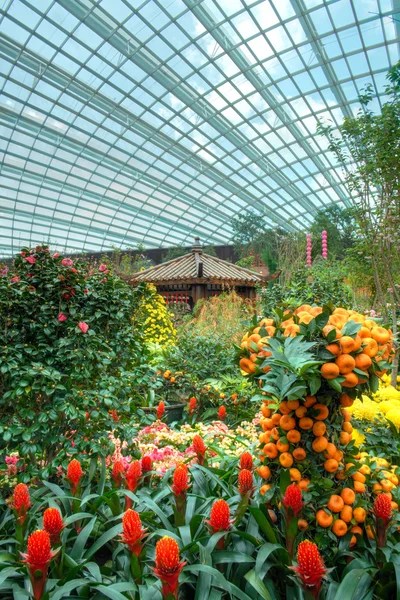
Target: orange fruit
pixel 346 415
pixel 328 328
pixel 264 488
pixel 287 423
pixel 359 488
pixel 347 427
pixel 323 518
pixel 319 428
pixel 359 514
pixel 299 454
pixel 387 485
pixel 329 371
pixel 351 380
pixel 347 344
pixel 309 401
pixel 302 525
pixel 265 411
pixel 364 332
pixel 284 408
pixel 353 541
pixel 370 347
pixel 282 447
pixel 331 465
pixel 275 434
pixel 335 503
pixel 356 529
pixel 322 413
pixel 306 423
pixel 247 365
pixel 357 476
pixel 370 532
pixel 301 412
pixel 320 444
pixel 293 436
pixel 337 321
pixel 303 484
pixel 338 455
pixel 346 363
pixel 346 401
pixel 286 459
pixel 264 472
pixel 270 450
pixel 291 330
pixel 276 418
pixel 334 349
pixel 295 475
pixel 346 514
pixel 357 343
pixel 348 495
pixel 380 335
pixel 293 404
pixel 339 528
pixel 330 450
pixel 344 438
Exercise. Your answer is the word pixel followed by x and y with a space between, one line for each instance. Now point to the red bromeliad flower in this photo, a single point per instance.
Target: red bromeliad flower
pixel 53 524
pixel 220 519
pixel 147 464
pixel 222 413
pixel 160 410
pixel 200 448
pixel 246 461
pixel 168 567
pixel 245 481
pixel 310 567
pixel 180 480
pixel 192 405
pixel 132 531
pixel 21 501
pixel 38 558
pixel 74 474
pixel 383 508
pixel 118 472
pixel 133 475
pixel 293 498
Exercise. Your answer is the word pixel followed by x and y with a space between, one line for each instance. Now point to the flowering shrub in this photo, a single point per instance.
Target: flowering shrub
pixel 154 319
pixel 67 353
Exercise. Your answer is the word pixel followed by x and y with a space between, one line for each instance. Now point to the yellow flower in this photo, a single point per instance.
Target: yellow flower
pixel 358 437
pixel 394 417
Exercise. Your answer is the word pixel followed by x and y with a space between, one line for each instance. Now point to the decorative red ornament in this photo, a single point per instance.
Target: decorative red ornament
pixel 200 448
pixel 21 501
pixel 246 461
pixel 245 481
pixel 180 480
pixel 147 464
pixel 168 566
pixel 222 413
pixel 53 524
pixel 132 531
pixel 293 498
pixel 118 472
pixel 310 568
pixel 38 558
pixel 160 410
pixel 383 508
pixel 74 474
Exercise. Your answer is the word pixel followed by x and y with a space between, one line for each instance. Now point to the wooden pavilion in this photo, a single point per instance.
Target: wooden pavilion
pixel 196 275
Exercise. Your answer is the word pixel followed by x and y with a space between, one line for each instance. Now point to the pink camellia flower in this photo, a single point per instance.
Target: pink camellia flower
pixel 62 317
pixel 23 253
pixel 30 259
pixel 83 326
pixel 102 268
pixel 15 279
pixel 67 262
pixel 74 270
pixel 56 255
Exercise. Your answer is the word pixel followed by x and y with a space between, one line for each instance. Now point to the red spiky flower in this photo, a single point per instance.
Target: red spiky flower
pixel 118 472
pixel 74 474
pixel 220 519
pixel 168 566
pixel 38 559
pixel 310 567
pixel 147 464
pixel 293 499
pixel 246 461
pixel 245 481
pixel 53 524
pixel 192 405
pixel 383 515
pixel 132 531
pixel 132 476
pixel 180 480
pixel 160 410
pixel 200 448
pixel 222 413
pixel 21 501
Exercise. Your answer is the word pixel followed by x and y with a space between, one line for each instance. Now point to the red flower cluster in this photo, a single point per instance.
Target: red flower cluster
pixel 168 566
pixel 133 475
pixel 147 464
pixel 180 480
pixel 383 508
pixel 310 568
pixel 245 481
pixel 200 448
pixel 246 461
pixel 192 405
pixel 118 472
pixel 53 524
pixel 38 558
pixel 220 516
pixel 132 531
pixel 160 410
pixel 222 413
pixel 74 474
pixel 21 501
pixel 293 498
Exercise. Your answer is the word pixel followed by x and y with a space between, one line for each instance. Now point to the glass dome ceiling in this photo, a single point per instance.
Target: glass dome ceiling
pixel 149 121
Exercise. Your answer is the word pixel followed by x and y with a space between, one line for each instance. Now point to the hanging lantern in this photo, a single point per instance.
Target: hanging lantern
pixel 324 236
pixel 309 250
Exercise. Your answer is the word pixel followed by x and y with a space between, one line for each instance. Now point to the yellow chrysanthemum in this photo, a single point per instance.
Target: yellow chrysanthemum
pixel 358 437
pixel 394 416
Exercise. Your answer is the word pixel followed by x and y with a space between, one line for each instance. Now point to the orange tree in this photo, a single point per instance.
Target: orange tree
pixel 311 364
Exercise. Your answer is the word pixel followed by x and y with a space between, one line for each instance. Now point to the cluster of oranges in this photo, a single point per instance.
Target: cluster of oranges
pixel 311 434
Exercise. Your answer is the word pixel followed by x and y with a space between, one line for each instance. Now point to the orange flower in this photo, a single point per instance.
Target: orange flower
pixel 38 558
pixel 180 480
pixel 200 448
pixel 133 475
pixel 220 516
pixel 53 524
pixel 21 501
pixel 310 568
pixel 246 461
pixel 192 405
pixel 168 567
pixel 74 474
pixel 132 531
pixel 118 471
pixel 293 498
pixel 245 481
pixel 160 410
pixel 222 413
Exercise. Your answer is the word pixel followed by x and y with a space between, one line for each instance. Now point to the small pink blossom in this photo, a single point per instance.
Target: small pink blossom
pixel 23 253
pixel 30 259
pixel 102 268
pixel 56 255
pixel 67 262
pixel 62 317
pixel 15 279
pixel 83 326
pixel 74 270
pixel 85 291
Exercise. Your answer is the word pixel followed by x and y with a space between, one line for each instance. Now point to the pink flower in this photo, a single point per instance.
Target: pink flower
pixel 74 270
pixel 83 326
pixel 30 259
pixel 67 262
pixel 102 268
pixel 23 253
pixel 15 279
pixel 56 255
pixel 85 291
pixel 62 317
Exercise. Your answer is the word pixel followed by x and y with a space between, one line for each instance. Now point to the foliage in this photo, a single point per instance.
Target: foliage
pixel 154 319
pixel 174 252
pixel 340 225
pixel 127 261
pixel 68 356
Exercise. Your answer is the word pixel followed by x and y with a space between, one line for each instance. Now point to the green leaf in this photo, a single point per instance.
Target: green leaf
pixel 232 557
pixel 335 384
pixel 284 480
pixel 265 552
pixel 80 542
pixel 104 539
pixel 65 590
pixel 257 583
pixel 112 591
pixel 354 585
pixel 219 580
pixel 263 524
